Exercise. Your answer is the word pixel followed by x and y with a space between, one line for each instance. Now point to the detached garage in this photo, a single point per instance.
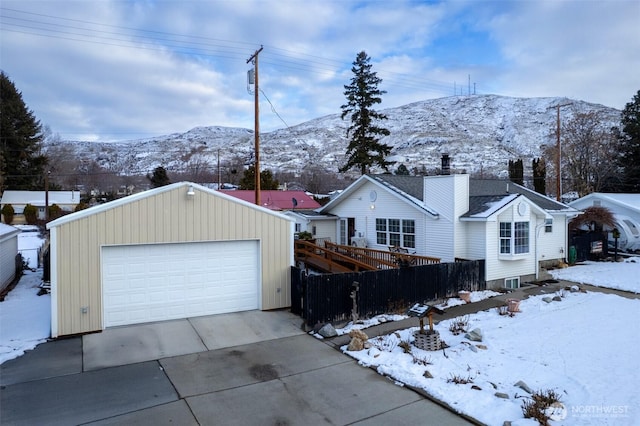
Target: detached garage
pixel 173 252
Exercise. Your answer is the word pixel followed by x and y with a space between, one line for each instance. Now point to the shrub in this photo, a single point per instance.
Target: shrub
pixel 8 212
pixel 541 404
pixel 31 214
pixel 81 206
pixel 55 211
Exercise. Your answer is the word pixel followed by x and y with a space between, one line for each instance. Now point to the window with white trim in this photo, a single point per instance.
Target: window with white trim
pixel 512 283
pixel 548 225
pixel 298 227
pixel 514 237
pixel 396 232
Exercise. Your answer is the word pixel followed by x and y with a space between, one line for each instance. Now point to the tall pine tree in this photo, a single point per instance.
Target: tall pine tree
pixel 629 159
pixel 365 149
pixel 539 175
pixel 22 163
pixel 516 171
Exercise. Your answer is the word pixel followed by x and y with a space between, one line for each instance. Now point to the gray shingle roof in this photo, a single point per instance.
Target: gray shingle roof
pixel 481 203
pixel 414 186
pixel 479 187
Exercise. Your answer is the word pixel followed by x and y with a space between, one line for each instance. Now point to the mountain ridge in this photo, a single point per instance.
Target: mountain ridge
pixel 480 133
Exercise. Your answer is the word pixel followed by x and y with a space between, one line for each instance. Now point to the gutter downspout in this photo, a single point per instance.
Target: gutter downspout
pixel 538 228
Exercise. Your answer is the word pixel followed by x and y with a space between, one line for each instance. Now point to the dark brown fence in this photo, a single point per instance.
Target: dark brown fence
pixel 328 297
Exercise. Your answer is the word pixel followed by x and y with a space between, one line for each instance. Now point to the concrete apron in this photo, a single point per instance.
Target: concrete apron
pixel 145 342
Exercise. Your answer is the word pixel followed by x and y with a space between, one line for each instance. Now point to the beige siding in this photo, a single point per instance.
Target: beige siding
pixel 163 217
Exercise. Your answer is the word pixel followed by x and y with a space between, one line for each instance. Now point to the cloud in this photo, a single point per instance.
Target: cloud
pixel 113 69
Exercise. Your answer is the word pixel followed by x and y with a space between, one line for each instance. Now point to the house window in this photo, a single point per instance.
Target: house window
pixel 548 225
pixel 505 237
pixel 396 232
pixel 343 231
pixel 514 237
pixel 381 231
pixel 521 237
pixel 313 230
pixel 298 227
pixel 512 283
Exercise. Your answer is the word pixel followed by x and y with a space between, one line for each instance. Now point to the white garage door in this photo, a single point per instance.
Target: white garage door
pixel 155 282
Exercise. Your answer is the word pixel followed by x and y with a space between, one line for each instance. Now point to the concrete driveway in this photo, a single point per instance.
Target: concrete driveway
pixel 249 368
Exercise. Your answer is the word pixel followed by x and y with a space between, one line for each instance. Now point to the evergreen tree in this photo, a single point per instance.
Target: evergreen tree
pixel 362 94
pixel 629 158
pixel 22 163
pixel 402 170
pixel 516 171
pixel 539 175
pixel 267 182
pixel 159 177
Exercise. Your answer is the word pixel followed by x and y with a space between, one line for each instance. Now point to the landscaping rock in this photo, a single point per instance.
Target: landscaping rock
pixel 574 289
pixel 359 334
pixel 476 387
pixel 483 347
pixel 502 395
pixel 557 299
pixel 427 375
pixel 547 299
pixel 474 335
pixel 358 340
pixel 355 344
pixel 473 348
pixel 522 385
pixel 327 330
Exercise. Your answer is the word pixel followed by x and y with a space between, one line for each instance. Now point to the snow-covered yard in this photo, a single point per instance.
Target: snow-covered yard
pixel 583 347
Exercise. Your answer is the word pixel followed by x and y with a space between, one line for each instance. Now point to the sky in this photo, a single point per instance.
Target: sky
pixel 110 70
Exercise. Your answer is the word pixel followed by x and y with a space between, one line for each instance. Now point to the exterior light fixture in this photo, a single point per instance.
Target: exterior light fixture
pixel 191 192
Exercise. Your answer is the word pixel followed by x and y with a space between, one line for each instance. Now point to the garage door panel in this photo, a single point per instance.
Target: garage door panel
pixel 144 283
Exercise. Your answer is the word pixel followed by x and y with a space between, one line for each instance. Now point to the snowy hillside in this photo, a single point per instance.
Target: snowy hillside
pixel 481 133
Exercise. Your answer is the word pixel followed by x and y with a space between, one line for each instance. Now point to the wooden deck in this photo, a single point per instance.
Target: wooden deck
pixel 335 258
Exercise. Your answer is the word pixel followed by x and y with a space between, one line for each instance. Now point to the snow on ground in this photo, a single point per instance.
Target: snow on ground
pixel 619 275
pixel 29 242
pixel 583 347
pixel 25 317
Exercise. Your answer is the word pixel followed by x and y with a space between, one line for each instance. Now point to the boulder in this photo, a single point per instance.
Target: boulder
pixel 356 344
pixel 522 385
pixel 327 330
pixel 359 334
pixel 474 335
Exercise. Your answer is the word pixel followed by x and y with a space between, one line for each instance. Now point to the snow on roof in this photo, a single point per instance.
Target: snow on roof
pixel 37 198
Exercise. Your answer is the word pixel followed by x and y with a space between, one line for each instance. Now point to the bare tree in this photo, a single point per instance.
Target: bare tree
pixel 589 150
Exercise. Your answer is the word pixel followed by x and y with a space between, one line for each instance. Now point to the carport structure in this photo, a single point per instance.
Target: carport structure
pixel 177 251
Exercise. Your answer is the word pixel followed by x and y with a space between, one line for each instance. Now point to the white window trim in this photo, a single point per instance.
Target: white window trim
pixel 512 242
pixel 516 279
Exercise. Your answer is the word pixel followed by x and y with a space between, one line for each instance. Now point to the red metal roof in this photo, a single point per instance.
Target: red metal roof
pixel 277 200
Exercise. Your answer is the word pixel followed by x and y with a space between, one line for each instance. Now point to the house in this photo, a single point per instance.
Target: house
pixel 515 230
pixel 626 212
pixel 176 251
pixel 277 200
pixel 66 200
pixel 8 254
pixel 321 226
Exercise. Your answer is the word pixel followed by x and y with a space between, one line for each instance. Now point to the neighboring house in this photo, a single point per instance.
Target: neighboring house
pixel 277 200
pixel 8 253
pixel 66 200
pixel 177 251
pixel 626 212
pixel 515 230
pixel 320 225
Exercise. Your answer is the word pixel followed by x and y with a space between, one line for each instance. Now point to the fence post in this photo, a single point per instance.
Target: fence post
pixel 355 286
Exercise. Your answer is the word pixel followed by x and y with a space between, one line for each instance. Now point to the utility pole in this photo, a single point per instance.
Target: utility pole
pixel 254 58
pixel 559 154
pixel 46 195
